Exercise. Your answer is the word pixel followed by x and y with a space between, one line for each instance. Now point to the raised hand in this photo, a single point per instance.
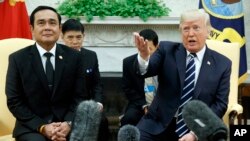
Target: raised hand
pixel 142 46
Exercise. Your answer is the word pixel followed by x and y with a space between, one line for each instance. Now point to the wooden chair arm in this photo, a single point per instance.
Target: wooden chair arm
pixel 235 111
pixel 7 138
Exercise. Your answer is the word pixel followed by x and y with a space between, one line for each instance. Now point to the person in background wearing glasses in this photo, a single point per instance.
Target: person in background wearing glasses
pixel 73 36
pixel 209 70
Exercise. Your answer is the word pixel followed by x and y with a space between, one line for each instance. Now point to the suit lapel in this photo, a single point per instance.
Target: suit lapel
pixel 38 67
pixel 59 66
pixel 180 55
pixel 207 68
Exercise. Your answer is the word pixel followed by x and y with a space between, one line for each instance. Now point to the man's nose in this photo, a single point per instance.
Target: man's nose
pixel 75 40
pixel 47 25
pixel 191 32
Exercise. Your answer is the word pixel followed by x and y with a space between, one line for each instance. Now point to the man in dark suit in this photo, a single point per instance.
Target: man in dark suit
pixel 73 36
pixel 211 73
pixel 42 93
pixel 138 93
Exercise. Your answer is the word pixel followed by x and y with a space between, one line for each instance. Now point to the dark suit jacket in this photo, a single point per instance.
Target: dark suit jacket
pixel 28 95
pixel 132 84
pixel 92 75
pixel 169 63
pixel 94 89
pixel 133 88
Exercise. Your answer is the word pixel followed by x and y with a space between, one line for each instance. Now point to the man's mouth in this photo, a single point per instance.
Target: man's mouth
pixel 191 42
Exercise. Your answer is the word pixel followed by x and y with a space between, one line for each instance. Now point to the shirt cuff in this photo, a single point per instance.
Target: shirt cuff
pixel 100 104
pixel 143 64
pixel 196 138
pixel 144 106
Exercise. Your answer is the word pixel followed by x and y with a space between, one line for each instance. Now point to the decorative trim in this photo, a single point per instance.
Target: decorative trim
pixel 100 35
pixel 116 20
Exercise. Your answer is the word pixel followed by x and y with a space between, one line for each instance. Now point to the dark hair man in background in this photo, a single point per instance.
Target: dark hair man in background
pixel 138 91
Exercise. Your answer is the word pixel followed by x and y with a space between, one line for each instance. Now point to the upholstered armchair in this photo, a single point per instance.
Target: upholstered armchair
pixel 232 51
pixel 7 121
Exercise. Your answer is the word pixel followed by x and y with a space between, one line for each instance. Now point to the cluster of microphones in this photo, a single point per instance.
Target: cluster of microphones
pixel 197 115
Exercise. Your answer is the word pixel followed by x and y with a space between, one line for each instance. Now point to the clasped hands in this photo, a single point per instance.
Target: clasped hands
pixel 56 131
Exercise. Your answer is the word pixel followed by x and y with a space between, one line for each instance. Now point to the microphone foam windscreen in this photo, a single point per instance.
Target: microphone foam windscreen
pixel 128 133
pixel 203 121
pixel 86 122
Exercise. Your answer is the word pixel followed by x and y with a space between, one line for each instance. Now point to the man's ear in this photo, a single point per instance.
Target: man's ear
pixel 157 46
pixel 31 29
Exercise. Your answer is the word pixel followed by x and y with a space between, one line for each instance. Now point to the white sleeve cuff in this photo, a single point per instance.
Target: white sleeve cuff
pixel 143 64
pixel 100 104
pixel 144 106
pixel 196 138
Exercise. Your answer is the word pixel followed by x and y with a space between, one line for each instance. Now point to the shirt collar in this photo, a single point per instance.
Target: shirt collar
pixel 41 50
pixel 199 54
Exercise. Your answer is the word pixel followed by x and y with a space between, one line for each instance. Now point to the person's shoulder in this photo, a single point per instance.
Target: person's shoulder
pixel 88 51
pixel 218 56
pixel 67 49
pixel 170 46
pixel 169 43
pixel 64 46
pixel 131 57
pixel 22 51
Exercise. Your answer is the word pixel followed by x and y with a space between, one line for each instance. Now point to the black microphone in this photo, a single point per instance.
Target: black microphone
pixel 203 122
pixel 128 133
pixel 86 123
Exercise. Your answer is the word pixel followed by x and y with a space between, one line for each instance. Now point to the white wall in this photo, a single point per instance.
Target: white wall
pixel 177 6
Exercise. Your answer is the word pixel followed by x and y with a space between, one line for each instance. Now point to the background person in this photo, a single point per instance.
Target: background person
pixel 138 93
pixel 73 36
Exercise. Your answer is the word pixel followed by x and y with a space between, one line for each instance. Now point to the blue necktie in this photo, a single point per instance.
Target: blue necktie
pixel 187 94
pixel 49 71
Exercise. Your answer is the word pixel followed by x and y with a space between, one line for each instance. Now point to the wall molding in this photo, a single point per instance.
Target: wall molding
pixel 117 20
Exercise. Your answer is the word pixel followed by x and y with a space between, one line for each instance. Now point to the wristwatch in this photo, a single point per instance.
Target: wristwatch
pixel 69 123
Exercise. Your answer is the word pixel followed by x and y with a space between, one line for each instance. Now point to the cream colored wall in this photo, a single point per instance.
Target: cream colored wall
pixel 247 30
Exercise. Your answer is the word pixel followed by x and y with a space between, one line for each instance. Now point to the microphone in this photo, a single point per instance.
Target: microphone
pixel 128 133
pixel 86 122
pixel 203 122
